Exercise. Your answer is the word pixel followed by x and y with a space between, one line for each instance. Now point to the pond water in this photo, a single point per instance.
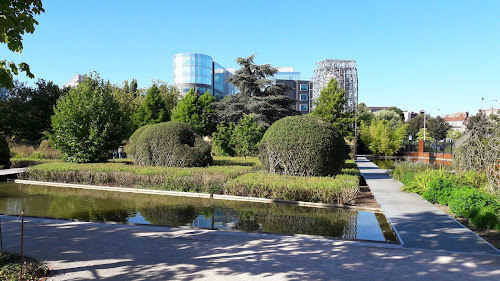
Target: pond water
pixel 92 205
pixel 383 163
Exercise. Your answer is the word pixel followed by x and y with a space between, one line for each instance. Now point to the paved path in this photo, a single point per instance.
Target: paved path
pixel 419 223
pixel 99 251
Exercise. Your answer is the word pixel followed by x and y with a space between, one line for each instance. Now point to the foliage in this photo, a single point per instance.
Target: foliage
pixel 332 106
pixel 152 110
pixel 364 114
pixel 10 268
pixel 17 17
pixel 302 146
pixel 195 111
pixel 398 111
pixel 246 135
pixel 4 153
pixel 258 96
pixel 133 87
pixel 439 190
pixel 383 137
pixel 223 144
pixel 26 110
pixel 26 151
pixel 169 93
pixel 481 120
pixel 415 124
pixel 341 189
pixel 392 117
pixel 467 202
pixel 132 141
pixel 88 123
pixel 453 134
pixel 438 128
pixel 420 135
pixel 173 144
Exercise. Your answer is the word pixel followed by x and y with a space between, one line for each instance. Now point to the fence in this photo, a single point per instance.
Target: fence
pixel 439 152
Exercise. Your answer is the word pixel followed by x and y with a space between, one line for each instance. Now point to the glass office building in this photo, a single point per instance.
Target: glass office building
pixel 199 71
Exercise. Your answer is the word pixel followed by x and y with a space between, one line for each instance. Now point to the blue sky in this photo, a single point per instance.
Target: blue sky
pixel 412 54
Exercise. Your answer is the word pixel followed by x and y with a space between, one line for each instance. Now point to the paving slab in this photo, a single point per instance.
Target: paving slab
pixel 419 224
pixel 103 251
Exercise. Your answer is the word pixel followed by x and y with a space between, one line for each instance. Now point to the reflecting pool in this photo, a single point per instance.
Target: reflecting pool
pixel 93 205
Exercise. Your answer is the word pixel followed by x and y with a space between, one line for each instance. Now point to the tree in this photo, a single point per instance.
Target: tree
pixel 390 116
pixel 196 111
pixel 415 124
pixel 16 18
pixel 364 114
pixel 420 135
pixel 169 93
pixel 222 137
pixel 453 134
pixel 26 110
pixel 152 110
pixel 331 106
pixel 133 87
pixel 398 111
pixel 438 128
pixel 257 96
pixel 246 135
pixel 87 122
pixel 125 88
pixel 382 138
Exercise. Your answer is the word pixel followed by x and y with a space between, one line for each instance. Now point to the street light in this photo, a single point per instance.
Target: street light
pixel 423 112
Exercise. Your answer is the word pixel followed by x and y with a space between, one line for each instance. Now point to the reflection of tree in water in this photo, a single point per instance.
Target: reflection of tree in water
pixel 90 209
pixel 170 215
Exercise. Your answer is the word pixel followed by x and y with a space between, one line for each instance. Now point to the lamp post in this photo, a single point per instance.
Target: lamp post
pixel 423 112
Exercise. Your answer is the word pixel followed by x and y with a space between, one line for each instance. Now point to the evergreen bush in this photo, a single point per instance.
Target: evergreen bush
pixel 173 144
pixel 302 146
pixel 132 141
pixel 468 202
pixel 4 153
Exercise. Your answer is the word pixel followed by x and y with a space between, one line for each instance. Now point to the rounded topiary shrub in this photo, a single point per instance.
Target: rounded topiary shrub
pixel 4 153
pixel 173 144
pixel 302 145
pixel 132 141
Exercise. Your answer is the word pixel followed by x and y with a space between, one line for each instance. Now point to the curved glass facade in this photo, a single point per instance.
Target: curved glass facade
pixel 193 68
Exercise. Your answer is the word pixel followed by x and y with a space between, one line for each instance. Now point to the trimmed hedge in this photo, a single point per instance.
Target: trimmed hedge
pixel 342 189
pixel 173 144
pixel 302 146
pixel 4 153
pixel 132 141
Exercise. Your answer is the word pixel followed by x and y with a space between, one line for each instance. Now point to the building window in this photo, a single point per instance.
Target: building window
pixel 304 87
pixel 303 97
pixel 303 107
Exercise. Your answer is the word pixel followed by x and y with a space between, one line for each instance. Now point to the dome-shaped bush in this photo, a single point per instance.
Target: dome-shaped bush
pixel 132 141
pixel 173 144
pixel 303 146
pixel 4 152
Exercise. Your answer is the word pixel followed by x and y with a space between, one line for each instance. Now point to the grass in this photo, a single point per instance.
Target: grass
pixel 10 268
pixel 228 175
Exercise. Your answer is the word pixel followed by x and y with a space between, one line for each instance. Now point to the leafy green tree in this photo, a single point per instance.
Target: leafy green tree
pixel 152 110
pixel 16 18
pixel 390 116
pixel 398 111
pixel 26 110
pixel 382 138
pixel 246 135
pixel 364 114
pixel 331 106
pixel 415 124
pixel 420 135
pixel 257 96
pixel 196 111
pixel 133 87
pixel 125 88
pixel 169 93
pixel 453 134
pixel 87 122
pixel 438 128
pixel 222 138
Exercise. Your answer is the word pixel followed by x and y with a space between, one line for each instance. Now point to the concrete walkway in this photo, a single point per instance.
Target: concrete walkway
pixel 8 172
pixel 420 224
pixel 100 251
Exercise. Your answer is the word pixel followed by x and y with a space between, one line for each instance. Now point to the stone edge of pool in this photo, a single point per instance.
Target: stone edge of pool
pixel 200 195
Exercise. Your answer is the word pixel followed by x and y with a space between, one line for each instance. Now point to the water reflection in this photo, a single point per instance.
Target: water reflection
pixel 60 202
